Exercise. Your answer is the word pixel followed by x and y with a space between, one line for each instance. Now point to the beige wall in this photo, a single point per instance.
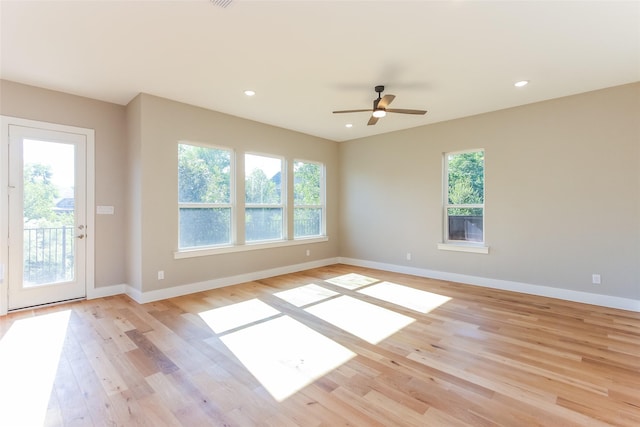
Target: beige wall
pixel 562 202
pixel 163 124
pixel 108 121
pixel 133 236
pixel 562 194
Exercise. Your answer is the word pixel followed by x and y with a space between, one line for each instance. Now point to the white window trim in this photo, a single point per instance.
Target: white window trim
pixel 213 250
pixel 459 245
pixel 264 206
pixel 192 205
pixel 464 247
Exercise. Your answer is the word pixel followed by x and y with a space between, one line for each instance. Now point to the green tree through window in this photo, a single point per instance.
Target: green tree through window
pixel 207 194
pixel 264 210
pixel 307 199
pixel 260 189
pixel 39 193
pixel 464 207
pixel 204 196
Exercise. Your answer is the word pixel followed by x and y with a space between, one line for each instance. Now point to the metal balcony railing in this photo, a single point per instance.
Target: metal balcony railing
pixel 466 228
pixel 48 255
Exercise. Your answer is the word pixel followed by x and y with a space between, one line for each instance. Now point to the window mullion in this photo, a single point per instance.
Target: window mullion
pixel 464 206
pixel 258 206
pixel 204 205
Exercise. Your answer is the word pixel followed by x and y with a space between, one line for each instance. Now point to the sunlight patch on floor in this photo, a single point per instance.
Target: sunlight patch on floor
pixel 285 355
pixel 364 320
pixel 29 357
pixel 405 296
pixel 236 315
pixel 305 295
pixel 352 281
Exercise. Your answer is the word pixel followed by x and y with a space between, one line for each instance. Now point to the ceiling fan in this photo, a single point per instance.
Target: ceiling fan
pixel 380 107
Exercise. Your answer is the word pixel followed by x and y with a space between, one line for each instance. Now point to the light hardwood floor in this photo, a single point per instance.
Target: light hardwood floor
pixel 337 345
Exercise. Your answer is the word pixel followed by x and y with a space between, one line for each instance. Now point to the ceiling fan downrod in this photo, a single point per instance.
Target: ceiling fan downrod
pixel 379 90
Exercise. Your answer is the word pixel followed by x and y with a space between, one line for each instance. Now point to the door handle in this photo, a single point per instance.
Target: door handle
pixel 81 236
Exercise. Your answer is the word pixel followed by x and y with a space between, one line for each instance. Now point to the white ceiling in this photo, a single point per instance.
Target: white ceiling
pixel 307 58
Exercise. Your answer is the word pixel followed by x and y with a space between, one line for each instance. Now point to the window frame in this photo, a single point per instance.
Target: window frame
pixel 323 204
pixel 462 245
pixel 283 198
pixel 238 208
pixel 231 205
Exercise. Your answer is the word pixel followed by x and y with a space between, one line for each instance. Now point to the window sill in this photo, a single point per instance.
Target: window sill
pixel 192 253
pixel 464 247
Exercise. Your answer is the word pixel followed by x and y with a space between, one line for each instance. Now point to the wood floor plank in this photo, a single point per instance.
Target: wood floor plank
pixel 92 387
pixel 109 377
pixel 126 407
pixel 157 413
pixel 482 358
pixel 152 353
pixel 184 408
pixel 328 400
pixel 72 404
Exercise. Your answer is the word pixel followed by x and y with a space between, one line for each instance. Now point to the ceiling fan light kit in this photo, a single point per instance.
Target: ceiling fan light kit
pixel 380 109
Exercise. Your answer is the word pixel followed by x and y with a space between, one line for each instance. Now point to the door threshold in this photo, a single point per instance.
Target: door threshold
pixel 49 304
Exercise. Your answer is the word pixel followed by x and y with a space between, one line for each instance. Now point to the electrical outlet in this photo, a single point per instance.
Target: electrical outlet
pixel 595 279
pixel 408 256
pixel 161 275
pixel 308 252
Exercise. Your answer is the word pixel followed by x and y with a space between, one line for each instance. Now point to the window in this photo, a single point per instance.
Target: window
pixel 264 207
pixel 283 205
pixel 204 196
pixel 308 197
pixel 464 197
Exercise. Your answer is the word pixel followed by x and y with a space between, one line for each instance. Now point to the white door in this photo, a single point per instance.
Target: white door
pixel 47 216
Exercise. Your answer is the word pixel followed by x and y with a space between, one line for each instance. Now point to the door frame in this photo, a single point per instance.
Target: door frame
pixel 5 122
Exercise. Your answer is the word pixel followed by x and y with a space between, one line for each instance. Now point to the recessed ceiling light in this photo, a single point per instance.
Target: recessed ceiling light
pixel 348 125
pixel 521 83
pixel 249 92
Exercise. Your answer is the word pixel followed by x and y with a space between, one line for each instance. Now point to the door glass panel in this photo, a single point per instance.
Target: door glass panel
pixel 48 212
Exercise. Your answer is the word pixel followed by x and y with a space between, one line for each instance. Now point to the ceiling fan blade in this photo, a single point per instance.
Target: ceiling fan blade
pixel 352 111
pixel 386 100
pixel 372 121
pixel 403 111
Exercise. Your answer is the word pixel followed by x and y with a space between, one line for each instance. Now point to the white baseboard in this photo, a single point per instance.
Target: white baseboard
pixel 135 294
pixel 176 291
pixel 106 291
pixel 526 288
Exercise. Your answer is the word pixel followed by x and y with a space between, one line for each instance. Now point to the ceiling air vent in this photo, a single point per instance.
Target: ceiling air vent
pixel 221 3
